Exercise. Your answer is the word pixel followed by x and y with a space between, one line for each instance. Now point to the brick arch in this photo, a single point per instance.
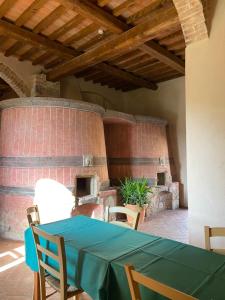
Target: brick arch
pixel 192 16
pixel 14 81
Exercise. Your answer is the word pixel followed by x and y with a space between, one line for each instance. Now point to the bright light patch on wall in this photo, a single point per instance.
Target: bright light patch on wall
pixel 54 200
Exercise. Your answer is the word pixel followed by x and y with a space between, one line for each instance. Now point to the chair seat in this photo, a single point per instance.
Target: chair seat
pixel 55 284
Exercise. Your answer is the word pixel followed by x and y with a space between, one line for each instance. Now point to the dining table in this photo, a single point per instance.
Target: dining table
pixel 96 252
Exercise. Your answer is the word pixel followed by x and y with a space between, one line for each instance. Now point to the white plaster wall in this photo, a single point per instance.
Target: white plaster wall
pixel 205 109
pixel 85 90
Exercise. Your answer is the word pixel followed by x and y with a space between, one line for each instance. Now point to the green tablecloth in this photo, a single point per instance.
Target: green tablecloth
pixel 96 253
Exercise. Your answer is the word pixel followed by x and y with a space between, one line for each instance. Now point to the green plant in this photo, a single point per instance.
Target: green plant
pixel 135 191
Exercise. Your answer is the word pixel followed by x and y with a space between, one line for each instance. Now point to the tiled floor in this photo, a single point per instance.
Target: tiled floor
pixel 171 224
pixel 16 279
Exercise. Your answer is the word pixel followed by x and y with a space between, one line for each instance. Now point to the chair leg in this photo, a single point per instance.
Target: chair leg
pixel 36 290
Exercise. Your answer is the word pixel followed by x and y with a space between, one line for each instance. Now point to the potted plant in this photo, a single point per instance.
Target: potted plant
pixel 135 194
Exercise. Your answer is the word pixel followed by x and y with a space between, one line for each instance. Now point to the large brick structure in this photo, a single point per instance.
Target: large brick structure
pixel 63 140
pixel 45 138
pixel 136 147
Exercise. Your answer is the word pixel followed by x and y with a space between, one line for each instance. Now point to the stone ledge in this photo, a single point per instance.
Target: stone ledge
pixel 51 102
pixel 112 116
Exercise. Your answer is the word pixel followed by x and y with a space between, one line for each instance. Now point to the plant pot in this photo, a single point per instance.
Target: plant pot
pixel 136 208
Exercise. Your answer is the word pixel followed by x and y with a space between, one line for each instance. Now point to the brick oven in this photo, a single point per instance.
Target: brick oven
pixel 136 147
pixel 52 138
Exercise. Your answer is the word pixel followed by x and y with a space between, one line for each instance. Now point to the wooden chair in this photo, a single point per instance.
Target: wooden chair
pixel 214 232
pixel 33 216
pixel 120 209
pixel 134 278
pixel 58 278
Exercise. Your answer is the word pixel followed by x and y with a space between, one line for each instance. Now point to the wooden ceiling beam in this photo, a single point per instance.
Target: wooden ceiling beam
pixel 3 39
pixel 14 48
pixel 135 67
pixel 156 71
pixel 146 10
pixel 165 74
pixel 180 52
pixel 128 77
pixel 92 42
pixel 42 58
pixel 180 45
pixel 103 2
pixel 5 6
pixel 109 82
pixel 103 81
pixel 85 72
pixel 125 57
pixel 134 61
pixel 51 64
pixel 170 77
pixel 39 41
pixel 80 34
pixel 117 73
pixel 173 38
pixel 95 13
pixel 54 15
pixel 36 40
pixel 98 78
pixel 28 54
pixel 98 15
pixel 130 39
pixel 145 66
pixel 92 75
pixel 128 88
pixel 29 12
pixel 66 27
pixel 164 56
pixel 122 7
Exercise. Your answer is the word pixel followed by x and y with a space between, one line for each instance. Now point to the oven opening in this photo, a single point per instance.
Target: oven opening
pixel 161 178
pixel 83 186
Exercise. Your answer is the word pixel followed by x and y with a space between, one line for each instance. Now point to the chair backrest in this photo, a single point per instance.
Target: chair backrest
pixel 120 209
pixel 134 278
pixel 214 232
pixel 43 254
pixel 33 216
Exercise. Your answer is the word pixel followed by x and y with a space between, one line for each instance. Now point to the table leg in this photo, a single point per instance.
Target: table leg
pixel 36 291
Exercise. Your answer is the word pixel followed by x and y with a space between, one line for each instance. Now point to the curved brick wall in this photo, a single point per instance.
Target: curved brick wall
pixel 136 148
pixel 45 138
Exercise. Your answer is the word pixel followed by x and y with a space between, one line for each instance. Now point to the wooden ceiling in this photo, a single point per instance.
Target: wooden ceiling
pixel 124 44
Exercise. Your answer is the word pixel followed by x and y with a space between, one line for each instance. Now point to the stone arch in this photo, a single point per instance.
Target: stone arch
pixel 14 81
pixel 192 16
